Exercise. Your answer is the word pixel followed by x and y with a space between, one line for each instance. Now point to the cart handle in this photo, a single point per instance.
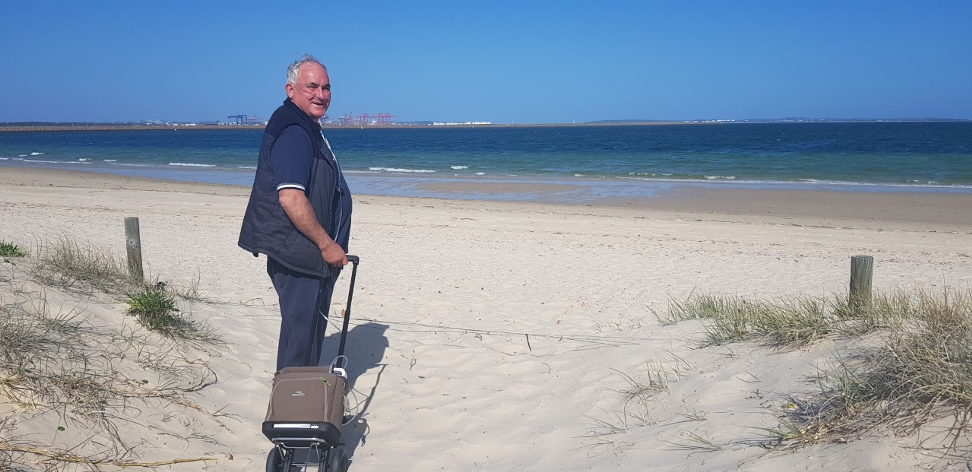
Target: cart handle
pixel 347 311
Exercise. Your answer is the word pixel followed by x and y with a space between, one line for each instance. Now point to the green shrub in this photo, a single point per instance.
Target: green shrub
pixel 156 309
pixel 11 250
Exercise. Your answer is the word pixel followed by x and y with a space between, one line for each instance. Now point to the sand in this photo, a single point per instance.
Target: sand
pixel 500 336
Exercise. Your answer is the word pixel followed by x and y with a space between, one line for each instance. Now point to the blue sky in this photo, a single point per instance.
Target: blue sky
pixel 499 61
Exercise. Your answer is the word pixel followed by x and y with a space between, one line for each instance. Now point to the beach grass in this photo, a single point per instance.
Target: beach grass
pixel 919 372
pixel 784 323
pixel 72 264
pixel 655 378
pixel 93 376
pixel 59 361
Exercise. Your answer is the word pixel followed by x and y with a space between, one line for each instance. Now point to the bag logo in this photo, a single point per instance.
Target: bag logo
pixel 298 393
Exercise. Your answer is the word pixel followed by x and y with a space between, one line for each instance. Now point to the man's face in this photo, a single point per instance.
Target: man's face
pixel 312 94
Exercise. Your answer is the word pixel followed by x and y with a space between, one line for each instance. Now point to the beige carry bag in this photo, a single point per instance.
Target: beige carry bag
pixel 306 403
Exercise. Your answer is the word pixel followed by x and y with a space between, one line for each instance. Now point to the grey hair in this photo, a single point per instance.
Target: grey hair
pixel 294 67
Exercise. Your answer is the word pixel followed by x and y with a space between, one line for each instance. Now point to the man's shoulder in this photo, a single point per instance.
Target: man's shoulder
pixel 291 148
pixel 293 135
pixel 295 129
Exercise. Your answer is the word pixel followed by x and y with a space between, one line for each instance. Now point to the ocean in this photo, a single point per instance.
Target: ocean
pixel 617 160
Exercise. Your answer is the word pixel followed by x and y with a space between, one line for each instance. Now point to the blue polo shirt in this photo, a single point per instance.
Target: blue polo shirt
pixel 291 158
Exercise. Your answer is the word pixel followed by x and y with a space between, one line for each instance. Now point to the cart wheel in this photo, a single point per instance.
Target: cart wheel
pixel 337 460
pixel 276 463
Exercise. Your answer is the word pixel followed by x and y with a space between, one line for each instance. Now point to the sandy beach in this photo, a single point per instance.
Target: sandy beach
pixel 501 336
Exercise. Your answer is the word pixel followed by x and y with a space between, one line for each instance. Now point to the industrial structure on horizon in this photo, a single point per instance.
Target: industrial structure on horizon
pixel 245 120
pixel 362 119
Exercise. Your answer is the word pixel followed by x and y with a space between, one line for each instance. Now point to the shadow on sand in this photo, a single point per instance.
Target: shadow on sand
pixel 365 348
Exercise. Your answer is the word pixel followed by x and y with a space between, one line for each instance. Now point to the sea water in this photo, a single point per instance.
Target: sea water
pixel 615 160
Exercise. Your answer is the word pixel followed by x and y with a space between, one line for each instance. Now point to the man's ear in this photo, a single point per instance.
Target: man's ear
pixel 289 88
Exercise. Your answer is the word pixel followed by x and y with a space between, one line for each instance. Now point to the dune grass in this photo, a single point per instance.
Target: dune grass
pixel 95 377
pixel 71 264
pixel 921 371
pixel 797 321
pixel 784 323
pixel 58 361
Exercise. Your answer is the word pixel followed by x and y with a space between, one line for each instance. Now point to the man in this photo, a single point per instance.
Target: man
pixel 299 213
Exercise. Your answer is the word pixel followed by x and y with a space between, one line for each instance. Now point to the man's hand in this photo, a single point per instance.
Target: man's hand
pixel 301 214
pixel 333 254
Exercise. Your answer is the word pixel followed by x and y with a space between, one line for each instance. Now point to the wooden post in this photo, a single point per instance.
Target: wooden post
pixel 862 270
pixel 133 242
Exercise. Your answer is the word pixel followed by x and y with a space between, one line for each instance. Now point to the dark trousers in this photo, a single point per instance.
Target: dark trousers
pixel 304 304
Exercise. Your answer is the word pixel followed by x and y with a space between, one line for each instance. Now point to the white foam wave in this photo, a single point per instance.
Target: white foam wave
pixel 4 158
pixel 111 160
pixel 480 173
pixel 190 164
pixel 246 167
pixel 37 154
pixel 720 177
pixel 393 169
pixel 650 174
pixel 459 167
pixel 813 182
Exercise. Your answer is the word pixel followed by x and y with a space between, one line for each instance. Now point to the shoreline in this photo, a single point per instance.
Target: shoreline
pixel 439 182
pixel 581 188
pixel 947 209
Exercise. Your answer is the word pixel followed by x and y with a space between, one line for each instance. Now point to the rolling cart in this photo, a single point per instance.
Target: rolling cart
pixel 306 411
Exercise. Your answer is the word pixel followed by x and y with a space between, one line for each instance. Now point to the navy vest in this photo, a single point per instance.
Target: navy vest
pixel 266 227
